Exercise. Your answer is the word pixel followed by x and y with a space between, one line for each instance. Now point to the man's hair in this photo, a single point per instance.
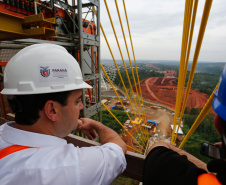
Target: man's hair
pixel 27 107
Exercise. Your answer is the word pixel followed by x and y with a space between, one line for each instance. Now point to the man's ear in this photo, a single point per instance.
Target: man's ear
pixel 218 124
pixel 51 110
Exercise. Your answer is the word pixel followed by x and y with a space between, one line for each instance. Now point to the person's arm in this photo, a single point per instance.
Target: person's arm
pixel 106 134
pixel 163 166
pixel 191 158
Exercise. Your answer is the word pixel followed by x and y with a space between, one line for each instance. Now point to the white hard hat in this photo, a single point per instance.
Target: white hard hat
pixel 40 69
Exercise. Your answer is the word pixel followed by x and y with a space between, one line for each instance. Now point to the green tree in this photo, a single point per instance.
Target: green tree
pixel 110 122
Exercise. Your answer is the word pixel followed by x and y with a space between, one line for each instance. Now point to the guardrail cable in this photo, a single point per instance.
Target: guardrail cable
pixel 203 24
pixel 186 65
pixel 119 73
pixel 180 88
pixel 119 99
pixel 135 149
pixel 134 58
pixel 120 124
pixel 131 66
pixel 200 117
pixel 122 57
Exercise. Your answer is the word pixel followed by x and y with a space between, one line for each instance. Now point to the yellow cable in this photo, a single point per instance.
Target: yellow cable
pixel 131 66
pixel 118 97
pixel 134 57
pixel 115 91
pixel 180 70
pixel 121 124
pixel 180 87
pixel 135 149
pixel 200 117
pixel 144 130
pixel 116 65
pixel 187 60
pixel 143 110
pixel 184 54
pixel 122 56
pixel 203 24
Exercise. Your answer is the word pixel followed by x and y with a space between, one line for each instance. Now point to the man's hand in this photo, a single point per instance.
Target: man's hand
pixel 218 144
pixel 91 128
pixel 85 125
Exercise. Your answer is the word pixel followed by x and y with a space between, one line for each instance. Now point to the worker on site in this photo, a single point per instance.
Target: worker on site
pixel 167 164
pixel 44 83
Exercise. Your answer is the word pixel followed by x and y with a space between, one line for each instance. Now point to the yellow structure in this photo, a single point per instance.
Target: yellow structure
pixel 12 27
pixel 137 121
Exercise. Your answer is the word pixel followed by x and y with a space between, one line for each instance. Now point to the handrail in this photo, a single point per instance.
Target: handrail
pixel 135 162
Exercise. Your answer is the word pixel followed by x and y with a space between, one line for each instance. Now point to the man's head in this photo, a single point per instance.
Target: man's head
pixel 219 106
pixel 27 107
pixel 43 79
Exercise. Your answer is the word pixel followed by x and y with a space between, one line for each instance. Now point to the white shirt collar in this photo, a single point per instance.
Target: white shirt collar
pixel 20 137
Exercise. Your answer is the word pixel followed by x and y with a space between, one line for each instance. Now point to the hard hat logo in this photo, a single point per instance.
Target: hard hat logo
pixel 45 72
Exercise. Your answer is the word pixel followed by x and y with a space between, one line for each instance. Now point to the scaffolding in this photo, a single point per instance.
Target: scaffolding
pixel 78 31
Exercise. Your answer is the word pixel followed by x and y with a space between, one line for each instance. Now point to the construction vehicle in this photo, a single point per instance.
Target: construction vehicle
pixel 124 102
pixel 116 107
pixel 151 122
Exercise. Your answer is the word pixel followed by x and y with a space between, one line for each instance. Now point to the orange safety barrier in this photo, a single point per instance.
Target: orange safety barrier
pixel 12 149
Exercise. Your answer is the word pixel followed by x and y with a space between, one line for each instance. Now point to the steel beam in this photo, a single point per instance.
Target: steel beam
pixel 11 26
pixel 38 41
pixel 91 42
pixel 91 77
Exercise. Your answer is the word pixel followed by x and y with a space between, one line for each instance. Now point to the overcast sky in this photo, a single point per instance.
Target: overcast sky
pixel 156 28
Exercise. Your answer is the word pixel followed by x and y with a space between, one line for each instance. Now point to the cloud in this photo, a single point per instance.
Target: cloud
pixel 156 28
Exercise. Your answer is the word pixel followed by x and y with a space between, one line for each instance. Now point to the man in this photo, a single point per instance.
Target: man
pixel 167 164
pixel 44 85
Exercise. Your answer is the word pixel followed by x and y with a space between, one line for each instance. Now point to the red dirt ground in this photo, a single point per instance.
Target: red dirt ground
pixel 163 90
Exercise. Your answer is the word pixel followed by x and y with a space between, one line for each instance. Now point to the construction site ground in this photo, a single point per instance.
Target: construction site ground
pixel 164 116
pixel 160 91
